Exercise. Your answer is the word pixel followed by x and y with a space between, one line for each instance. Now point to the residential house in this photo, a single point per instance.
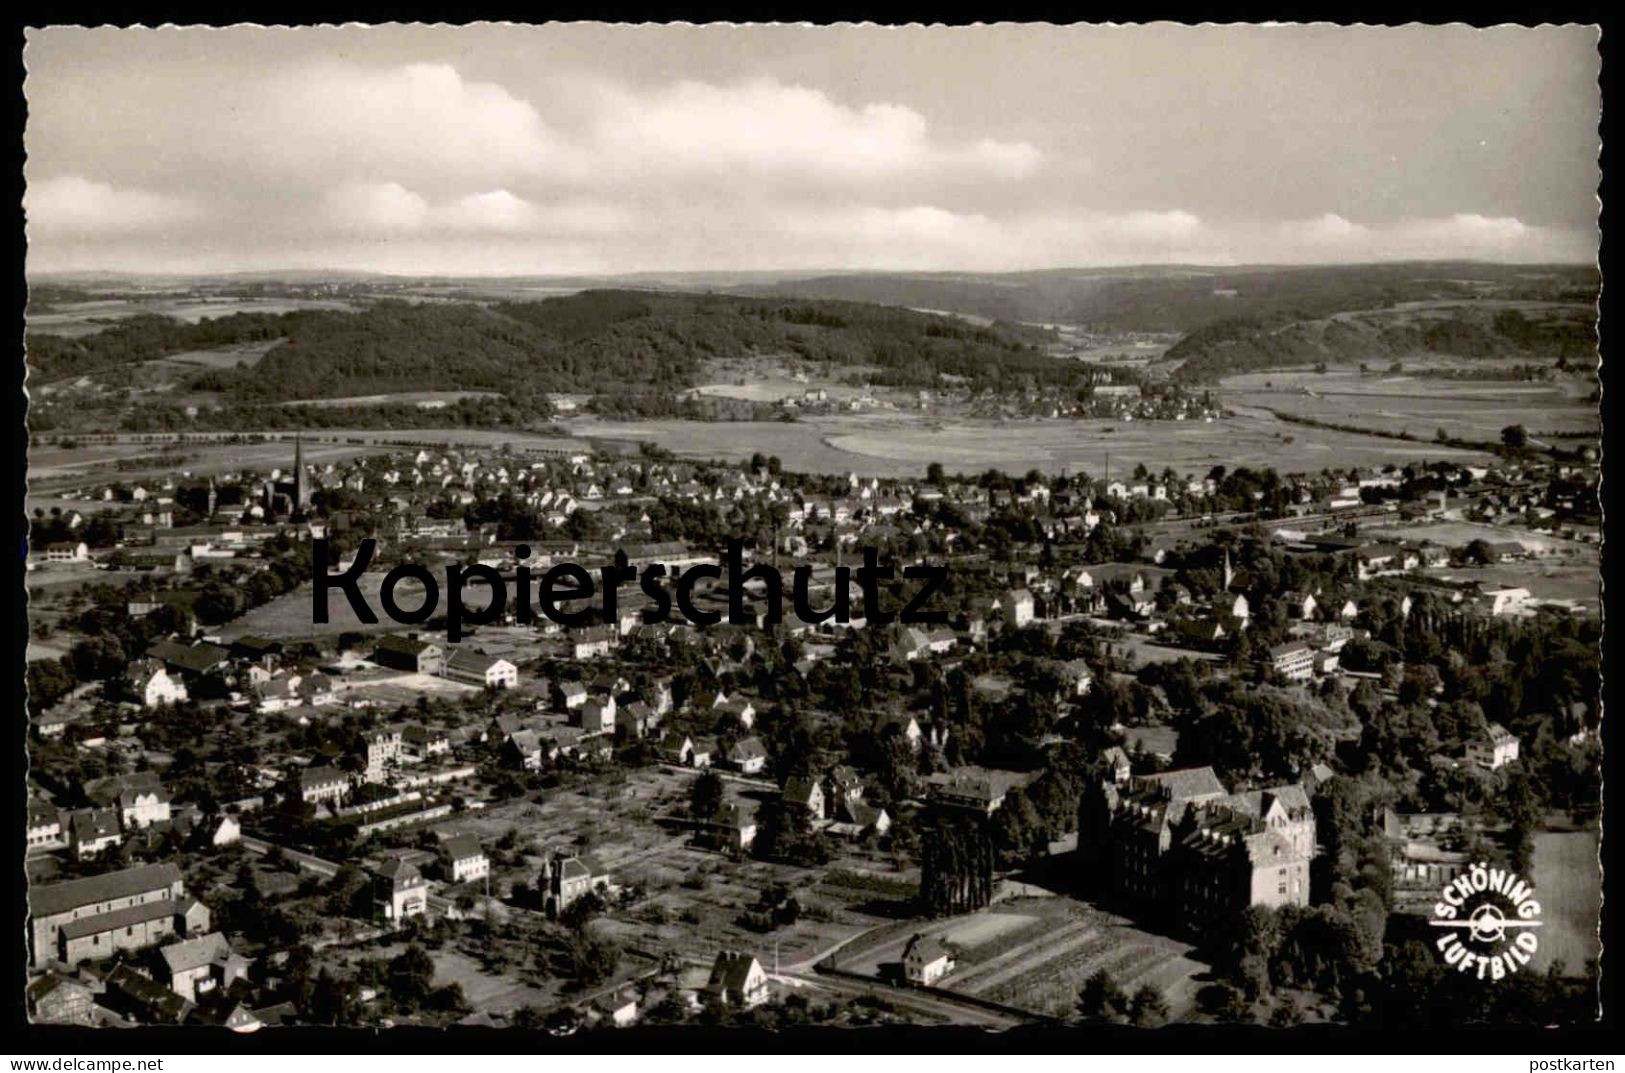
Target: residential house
pixel 319 784
pixel 737 981
pixel 463 859
pixel 926 959
pixel 195 967
pixel 45 826
pixel 399 890
pixel 55 999
pixel 1493 747
pixel 150 683
pixel 139 799
pixel 806 794
pixel 747 756
pixel 91 831
pixel 1017 606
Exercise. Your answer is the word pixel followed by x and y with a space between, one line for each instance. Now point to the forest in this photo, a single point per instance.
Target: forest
pixel 593 342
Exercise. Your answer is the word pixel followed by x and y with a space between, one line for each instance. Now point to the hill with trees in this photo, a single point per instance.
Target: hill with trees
pixel 592 342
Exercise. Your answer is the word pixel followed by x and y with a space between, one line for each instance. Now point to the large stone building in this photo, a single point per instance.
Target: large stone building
pixel 1178 841
pixel 99 915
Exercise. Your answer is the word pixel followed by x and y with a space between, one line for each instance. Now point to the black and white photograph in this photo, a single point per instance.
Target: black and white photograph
pixel 581 532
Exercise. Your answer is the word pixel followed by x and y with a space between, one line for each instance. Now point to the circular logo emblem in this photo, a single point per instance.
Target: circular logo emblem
pixel 1489 919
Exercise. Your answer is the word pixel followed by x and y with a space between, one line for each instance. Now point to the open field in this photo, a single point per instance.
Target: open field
pixel 1470 409
pixel 1456 534
pixel 289 615
pixel 898 445
pixel 1578 581
pixel 880 445
pixel 1035 953
pixel 424 399
pixel 84 318
pixel 1569 887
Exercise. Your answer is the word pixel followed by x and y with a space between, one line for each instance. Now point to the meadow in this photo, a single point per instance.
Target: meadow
pixel 1569 886
pixel 902 445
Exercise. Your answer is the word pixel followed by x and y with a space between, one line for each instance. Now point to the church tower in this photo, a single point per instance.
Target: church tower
pixel 301 482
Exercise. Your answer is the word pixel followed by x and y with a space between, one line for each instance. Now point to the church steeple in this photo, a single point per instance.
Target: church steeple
pixel 1229 573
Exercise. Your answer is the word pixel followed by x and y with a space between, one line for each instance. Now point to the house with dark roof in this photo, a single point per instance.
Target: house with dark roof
pixel 55 999
pixel 409 654
pixel 191 661
pixel 806 794
pixel 747 756
pixel 463 859
pixel 737 981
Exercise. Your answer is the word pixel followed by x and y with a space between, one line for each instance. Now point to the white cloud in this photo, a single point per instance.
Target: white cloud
pixel 762 127
pixel 74 205
pixel 494 210
pixel 422 121
pixel 375 207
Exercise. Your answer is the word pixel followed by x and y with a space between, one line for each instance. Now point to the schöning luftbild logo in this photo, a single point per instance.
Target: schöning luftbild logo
pixel 1489 917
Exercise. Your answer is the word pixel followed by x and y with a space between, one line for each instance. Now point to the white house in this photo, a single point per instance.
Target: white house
pixel 1494 748
pixel 926 960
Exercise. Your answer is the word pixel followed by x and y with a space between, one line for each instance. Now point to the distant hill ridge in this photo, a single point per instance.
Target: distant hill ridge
pixel 594 341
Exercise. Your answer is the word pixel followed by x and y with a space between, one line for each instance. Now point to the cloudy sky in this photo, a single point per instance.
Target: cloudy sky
pixel 594 149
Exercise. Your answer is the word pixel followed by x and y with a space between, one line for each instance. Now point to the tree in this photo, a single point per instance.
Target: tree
pixel 1515 437
pixel 410 976
pixel 1101 999
pixel 1148 1008
pixel 705 796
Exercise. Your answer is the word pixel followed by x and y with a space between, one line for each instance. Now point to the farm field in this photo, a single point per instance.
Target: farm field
pixel 1569 887
pixel 1474 410
pixel 1578 582
pixel 84 318
pixel 424 399
pixel 897 445
pixel 1455 534
pixel 1034 953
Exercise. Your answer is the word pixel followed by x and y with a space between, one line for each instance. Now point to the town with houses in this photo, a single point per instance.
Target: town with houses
pixel 1182 746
